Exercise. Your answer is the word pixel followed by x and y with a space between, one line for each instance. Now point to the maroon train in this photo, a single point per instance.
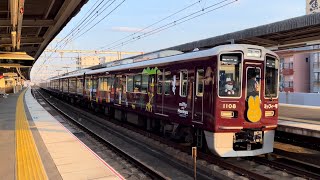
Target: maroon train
pixel 224 98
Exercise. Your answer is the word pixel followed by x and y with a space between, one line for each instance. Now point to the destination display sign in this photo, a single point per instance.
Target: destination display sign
pixel 226 59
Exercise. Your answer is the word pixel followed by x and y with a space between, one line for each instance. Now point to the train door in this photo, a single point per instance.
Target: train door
pixel 120 91
pixel 197 98
pixel 253 77
pixel 163 92
pixel 94 88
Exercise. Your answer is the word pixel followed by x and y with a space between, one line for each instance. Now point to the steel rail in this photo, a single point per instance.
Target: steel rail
pixel 154 174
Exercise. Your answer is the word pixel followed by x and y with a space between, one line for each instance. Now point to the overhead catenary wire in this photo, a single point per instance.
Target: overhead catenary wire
pixel 157 22
pixel 89 20
pixel 101 19
pixel 83 19
pixel 56 47
pixel 175 22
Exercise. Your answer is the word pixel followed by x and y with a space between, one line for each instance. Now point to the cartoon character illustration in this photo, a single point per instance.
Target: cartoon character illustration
pixel 149 105
pixel 174 84
pixel 229 87
pixel 254 111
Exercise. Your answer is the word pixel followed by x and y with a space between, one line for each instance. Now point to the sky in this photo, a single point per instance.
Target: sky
pixel 132 16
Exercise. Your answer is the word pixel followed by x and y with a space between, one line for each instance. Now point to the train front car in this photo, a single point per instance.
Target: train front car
pixel 246 112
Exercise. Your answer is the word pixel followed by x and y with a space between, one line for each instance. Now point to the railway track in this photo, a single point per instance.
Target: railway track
pixel 227 164
pixel 291 166
pixel 151 173
pixel 299 140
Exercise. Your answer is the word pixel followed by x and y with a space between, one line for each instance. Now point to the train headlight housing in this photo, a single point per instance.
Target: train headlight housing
pixel 254 53
pixel 269 113
pixel 227 114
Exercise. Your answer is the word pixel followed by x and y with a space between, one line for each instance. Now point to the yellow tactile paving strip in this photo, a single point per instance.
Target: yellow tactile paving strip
pixel 28 161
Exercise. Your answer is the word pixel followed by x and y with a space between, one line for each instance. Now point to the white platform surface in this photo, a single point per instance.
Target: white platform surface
pixel 73 159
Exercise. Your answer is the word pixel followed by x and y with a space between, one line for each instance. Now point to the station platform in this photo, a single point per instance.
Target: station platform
pixel 300 120
pixel 299 127
pixel 34 145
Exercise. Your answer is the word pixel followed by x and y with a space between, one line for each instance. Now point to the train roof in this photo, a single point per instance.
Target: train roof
pixel 131 64
pixel 185 57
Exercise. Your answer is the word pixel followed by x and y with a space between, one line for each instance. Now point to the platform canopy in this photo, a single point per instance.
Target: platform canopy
pixel 290 33
pixel 30 25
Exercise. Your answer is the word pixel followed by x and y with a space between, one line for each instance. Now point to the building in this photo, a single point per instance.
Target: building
pixel 294 71
pixel 107 59
pixel 315 71
pixel 87 61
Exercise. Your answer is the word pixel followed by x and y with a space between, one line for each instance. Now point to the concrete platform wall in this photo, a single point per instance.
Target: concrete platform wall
pixel 307 99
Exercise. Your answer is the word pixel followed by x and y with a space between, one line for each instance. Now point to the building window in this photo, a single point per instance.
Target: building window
pixel 288 65
pixel 288 84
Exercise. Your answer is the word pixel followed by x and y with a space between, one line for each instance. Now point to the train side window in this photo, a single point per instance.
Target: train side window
pixel 105 82
pixel 137 83
pixel 94 83
pixel 159 87
pixel 183 83
pixel 102 84
pixel 144 84
pixel 130 83
pixel 88 83
pixel 200 82
pixel 167 82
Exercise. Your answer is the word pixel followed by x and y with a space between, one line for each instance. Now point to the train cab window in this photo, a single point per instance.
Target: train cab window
pixel 229 75
pixel 183 83
pixel 144 83
pixel 271 77
pixel 200 82
pixel 253 81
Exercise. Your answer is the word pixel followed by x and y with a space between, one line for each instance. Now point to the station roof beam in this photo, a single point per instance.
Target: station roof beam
pixel 290 33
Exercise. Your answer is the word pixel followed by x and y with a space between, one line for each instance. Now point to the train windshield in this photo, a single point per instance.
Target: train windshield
pixel 271 78
pixel 229 75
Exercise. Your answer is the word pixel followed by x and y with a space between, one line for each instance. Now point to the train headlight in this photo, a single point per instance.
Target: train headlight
pixel 268 113
pixel 227 114
pixel 254 53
